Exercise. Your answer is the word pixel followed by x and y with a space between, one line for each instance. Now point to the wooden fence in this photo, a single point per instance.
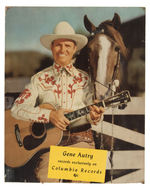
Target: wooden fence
pixel 127 160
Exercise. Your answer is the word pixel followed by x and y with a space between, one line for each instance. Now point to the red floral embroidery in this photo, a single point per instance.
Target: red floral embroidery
pixel 58 91
pixel 69 67
pixel 57 67
pixel 42 118
pixel 51 80
pixel 48 79
pixel 24 95
pixel 79 79
pixel 71 91
pixel 75 81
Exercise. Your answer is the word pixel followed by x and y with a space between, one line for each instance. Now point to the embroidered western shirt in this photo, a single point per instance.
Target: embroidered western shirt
pixel 65 87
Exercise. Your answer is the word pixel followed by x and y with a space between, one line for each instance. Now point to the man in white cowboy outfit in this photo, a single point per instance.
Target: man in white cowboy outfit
pixel 59 89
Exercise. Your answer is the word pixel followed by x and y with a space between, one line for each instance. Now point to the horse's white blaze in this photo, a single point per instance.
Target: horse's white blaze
pixel 102 62
pixel 103 56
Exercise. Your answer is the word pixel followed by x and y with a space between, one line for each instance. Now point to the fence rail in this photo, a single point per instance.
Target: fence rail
pixel 126 160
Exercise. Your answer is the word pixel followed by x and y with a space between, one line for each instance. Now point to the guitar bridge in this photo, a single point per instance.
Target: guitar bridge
pixel 17 134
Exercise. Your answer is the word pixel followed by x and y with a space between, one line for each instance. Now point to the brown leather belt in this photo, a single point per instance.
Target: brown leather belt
pixel 80 128
pixel 81 136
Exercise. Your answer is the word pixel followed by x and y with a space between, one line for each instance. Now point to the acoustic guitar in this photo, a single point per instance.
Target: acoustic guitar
pixel 23 139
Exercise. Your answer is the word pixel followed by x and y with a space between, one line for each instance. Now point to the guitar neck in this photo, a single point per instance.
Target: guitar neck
pixel 82 112
pixel 116 100
pixel 112 101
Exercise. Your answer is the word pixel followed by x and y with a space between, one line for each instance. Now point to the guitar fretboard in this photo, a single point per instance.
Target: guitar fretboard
pixel 121 98
pixel 80 112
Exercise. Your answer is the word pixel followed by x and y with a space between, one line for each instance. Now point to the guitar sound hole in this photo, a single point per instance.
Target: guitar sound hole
pixel 38 129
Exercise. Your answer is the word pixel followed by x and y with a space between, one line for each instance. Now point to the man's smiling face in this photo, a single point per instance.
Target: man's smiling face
pixel 63 51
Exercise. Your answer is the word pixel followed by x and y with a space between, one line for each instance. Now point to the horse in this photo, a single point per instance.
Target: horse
pixel 101 59
pixel 101 56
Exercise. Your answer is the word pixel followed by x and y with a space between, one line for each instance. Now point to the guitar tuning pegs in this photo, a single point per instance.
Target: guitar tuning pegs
pixel 122 106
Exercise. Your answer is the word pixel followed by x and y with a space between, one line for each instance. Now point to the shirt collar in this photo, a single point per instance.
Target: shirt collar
pixel 69 69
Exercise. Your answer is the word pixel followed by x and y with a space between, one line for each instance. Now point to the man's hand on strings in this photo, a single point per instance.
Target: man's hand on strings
pixel 58 119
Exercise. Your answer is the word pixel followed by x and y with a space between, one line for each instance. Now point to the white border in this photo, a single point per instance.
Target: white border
pixel 71 3
pixel 108 3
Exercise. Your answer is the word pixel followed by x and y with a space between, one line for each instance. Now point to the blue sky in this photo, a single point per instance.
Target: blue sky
pixel 25 25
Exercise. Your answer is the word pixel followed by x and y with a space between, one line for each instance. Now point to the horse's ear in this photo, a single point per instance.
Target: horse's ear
pixel 116 21
pixel 89 25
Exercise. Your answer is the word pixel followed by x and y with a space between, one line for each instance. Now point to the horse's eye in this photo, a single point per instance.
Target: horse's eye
pixel 117 48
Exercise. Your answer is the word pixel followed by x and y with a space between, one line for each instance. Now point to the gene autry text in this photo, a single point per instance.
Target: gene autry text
pixel 81 155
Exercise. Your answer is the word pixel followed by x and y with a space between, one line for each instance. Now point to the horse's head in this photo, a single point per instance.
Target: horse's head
pixel 104 48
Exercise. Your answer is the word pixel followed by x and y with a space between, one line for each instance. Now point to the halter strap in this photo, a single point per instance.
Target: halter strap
pixel 116 66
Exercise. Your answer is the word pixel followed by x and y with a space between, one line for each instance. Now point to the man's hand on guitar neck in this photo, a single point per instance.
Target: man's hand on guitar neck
pixel 57 117
pixel 96 113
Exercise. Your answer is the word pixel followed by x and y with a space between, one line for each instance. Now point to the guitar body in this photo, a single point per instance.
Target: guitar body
pixel 18 151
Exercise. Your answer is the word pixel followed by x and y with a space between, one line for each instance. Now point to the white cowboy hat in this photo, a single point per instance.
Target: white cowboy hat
pixel 64 30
